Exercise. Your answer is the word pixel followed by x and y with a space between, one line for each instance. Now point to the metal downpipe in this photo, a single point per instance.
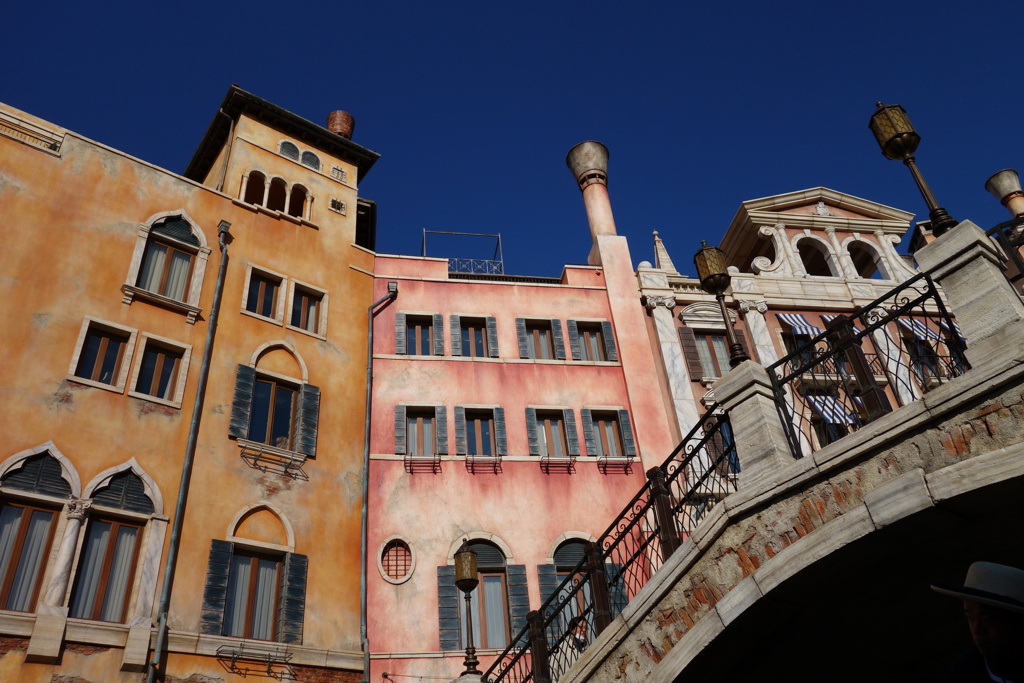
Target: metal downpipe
pixel 159 648
pixel 371 313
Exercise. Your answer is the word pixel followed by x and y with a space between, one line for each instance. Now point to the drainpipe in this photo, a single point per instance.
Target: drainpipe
pixel 159 649
pixel 227 152
pixel 371 313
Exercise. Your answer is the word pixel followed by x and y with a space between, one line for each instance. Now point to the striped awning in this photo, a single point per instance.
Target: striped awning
pixel 831 410
pixel 919 329
pixel 955 328
pixel 827 319
pixel 798 323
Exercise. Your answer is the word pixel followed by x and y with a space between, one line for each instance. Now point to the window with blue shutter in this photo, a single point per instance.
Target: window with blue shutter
pixel 267 410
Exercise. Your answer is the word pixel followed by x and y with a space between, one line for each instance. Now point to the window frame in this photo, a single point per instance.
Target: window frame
pixel 407 320
pixel 181 373
pixel 720 363
pixel 380 559
pixel 270 275
pixel 124 363
pixel 189 305
pixel 304 419
pixel 584 333
pixel 597 420
pixel 538 426
pixel 296 286
pixel 116 518
pixel 256 557
pixel 30 503
pixel 533 342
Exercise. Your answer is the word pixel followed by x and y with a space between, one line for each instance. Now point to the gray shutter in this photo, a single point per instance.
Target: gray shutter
pixel 401 330
pixel 574 340
pixel 547 578
pixel 438 334
pixel 626 429
pixel 448 609
pixel 556 338
pixel 492 337
pixel 610 349
pixel 215 593
pixel 588 431
pixel 306 418
pixel 524 346
pixel 617 595
pixel 461 447
pixel 741 338
pixel 689 343
pixel 41 473
pixel 518 597
pixel 291 601
pixel 455 328
pixel 570 431
pixel 400 427
pixel 500 442
pixel 441 430
pixel 241 404
pixel 531 431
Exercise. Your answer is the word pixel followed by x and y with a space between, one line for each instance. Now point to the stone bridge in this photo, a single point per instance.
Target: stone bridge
pixel 818 569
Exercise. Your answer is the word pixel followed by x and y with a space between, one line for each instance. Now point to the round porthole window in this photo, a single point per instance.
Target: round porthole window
pixel 395 560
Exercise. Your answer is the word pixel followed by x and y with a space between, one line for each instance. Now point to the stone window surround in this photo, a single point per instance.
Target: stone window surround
pixel 179 389
pixel 321 326
pixel 412 559
pixel 122 376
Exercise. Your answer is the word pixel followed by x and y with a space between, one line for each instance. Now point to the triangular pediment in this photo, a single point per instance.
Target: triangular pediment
pixel 822 202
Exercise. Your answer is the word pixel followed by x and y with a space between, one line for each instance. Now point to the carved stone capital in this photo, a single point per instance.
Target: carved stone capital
pixel 78 508
pixel 668 302
pixel 759 306
pixel 830 230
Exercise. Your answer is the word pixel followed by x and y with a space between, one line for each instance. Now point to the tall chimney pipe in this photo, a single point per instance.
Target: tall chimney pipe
pixel 341 123
pixel 588 162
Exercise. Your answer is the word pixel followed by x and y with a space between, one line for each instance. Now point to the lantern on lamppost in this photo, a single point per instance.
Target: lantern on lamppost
pixel 466 580
pixel 898 139
pixel 715 279
pixel 1005 185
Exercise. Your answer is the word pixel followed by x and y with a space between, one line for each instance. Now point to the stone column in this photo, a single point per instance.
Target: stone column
pixel 969 267
pixel 287 198
pixel 761 338
pixel 796 266
pixel 245 184
pixel 842 258
pixel 679 382
pixel 57 590
pixel 761 445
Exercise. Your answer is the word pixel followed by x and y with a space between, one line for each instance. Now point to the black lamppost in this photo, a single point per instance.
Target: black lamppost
pixel 898 140
pixel 466 579
pixel 714 279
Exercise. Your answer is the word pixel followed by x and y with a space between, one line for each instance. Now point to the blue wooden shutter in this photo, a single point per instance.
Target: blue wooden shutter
pixel 291 601
pixel 448 609
pixel 438 334
pixel 400 427
pixel 461 447
pixel 492 337
pixel 524 345
pixel 531 431
pixel 557 339
pixel 215 592
pixel 455 325
pixel 628 443
pixel 610 349
pixel 570 432
pixel 589 438
pixel 574 340
pixel 500 442
pixel 307 416
pixel 518 597
pixel 401 329
pixel 241 403
pixel 441 430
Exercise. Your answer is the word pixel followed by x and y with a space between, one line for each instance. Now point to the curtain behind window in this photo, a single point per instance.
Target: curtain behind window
pixel 30 562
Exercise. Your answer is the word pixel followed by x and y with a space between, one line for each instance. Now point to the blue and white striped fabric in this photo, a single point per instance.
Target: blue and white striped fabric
pixel 827 319
pixel 919 329
pixel 956 329
pixel 798 323
pixel 831 410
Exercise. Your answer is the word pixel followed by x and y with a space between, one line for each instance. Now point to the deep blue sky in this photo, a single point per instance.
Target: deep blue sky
pixel 473 105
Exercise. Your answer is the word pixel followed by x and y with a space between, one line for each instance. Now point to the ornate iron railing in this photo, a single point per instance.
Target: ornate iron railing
pixel 829 386
pixel 698 473
pixel 475 265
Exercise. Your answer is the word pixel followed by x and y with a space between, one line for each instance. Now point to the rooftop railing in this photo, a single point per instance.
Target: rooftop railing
pixel 700 471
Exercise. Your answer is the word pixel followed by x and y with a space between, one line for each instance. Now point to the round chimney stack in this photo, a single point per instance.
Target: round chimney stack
pixel 341 123
pixel 588 162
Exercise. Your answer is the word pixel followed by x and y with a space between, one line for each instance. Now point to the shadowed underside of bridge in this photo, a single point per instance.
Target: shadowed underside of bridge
pixel 866 612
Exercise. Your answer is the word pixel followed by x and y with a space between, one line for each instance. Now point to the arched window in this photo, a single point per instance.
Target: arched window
pixel 816 260
pixel 277 194
pixel 255 188
pixel 110 552
pixel 396 561
pixel 168 258
pixel 297 201
pixel 288 149
pixel 26 529
pixel 489 599
pixel 311 160
pixel 867 261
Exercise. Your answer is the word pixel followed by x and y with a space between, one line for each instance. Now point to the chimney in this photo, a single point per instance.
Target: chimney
pixel 341 123
pixel 588 162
